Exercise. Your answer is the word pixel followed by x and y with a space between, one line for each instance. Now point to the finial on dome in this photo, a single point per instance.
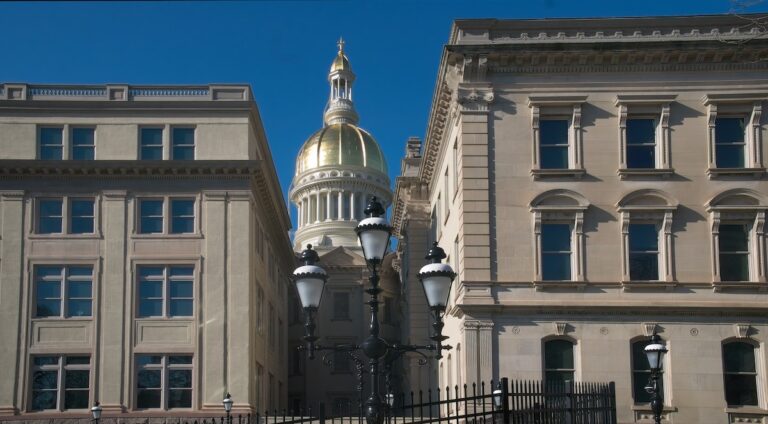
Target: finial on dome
pixel 340 43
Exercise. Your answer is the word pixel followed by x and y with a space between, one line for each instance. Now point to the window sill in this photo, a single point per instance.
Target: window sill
pixel 625 173
pixel 737 172
pixel 62 319
pixel 557 173
pixel 746 410
pixel 551 284
pixel 167 236
pixel 164 319
pixel 758 286
pixel 646 407
pixel 635 285
pixel 64 236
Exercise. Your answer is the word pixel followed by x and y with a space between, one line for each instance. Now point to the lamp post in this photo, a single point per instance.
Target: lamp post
pixel 374 233
pixel 96 412
pixel 227 402
pixel 655 352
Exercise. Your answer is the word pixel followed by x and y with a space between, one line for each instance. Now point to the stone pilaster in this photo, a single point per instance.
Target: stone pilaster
pixel 478 350
pixel 11 278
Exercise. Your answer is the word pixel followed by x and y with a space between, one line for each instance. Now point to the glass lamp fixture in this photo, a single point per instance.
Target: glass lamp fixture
pixel 655 352
pixel 497 398
pixel 96 410
pixel 390 399
pixel 436 278
pixel 374 232
pixel 227 402
pixel 310 279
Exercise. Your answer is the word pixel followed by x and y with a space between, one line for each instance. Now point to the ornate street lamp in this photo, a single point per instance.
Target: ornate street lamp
pixel 96 412
pixel 655 352
pixel 227 402
pixel 374 233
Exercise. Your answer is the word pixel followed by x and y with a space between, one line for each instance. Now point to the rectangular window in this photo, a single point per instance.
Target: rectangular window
pixel 641 143
pixel 51 143
pixel 183 143
pixel 556 252
pixel 83 145
pixel 163 381
pixel 643 252
pixel 558 362
pixel 151 142
pixel 341 305
pixel 730 145
pixel 553 143
pixel 63 291
pixel 641 373
pixel 150 216
pixel 165 291
pixel 733 242
pixel 182 216
pixel 50 215
pixel 60 382
pixel 81 216
pixel 740 374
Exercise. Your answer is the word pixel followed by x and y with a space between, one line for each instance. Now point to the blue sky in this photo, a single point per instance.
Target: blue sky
pixel 282 48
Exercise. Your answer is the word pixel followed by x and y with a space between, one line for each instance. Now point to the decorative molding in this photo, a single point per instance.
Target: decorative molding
pixel 125 168
pixel 648 98
pixel 649 328
pixel 559 328
pixel 742 330
pixel 474 98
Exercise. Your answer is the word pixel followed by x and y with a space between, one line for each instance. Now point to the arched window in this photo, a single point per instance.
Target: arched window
pixel 558 361
pixel 641 372
pixel 740 373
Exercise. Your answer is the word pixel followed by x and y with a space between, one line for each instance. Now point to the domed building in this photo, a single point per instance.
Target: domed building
pixel 338 169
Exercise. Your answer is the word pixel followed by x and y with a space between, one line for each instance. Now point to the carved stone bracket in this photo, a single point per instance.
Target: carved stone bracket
pixel 560 328
pixel 742 330
pixel 648 328
pixel 474 98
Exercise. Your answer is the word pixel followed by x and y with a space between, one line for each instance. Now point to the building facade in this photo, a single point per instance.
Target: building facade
pixel 595 181
pixel 144 252
pixel 338 170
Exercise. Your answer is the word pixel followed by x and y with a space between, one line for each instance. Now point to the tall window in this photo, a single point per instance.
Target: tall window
pixel 83 145
pixel 50 216
pixel 643 252
pixel 183 143
pixel 558 361
pixel 556 251
pixel 159 215
pixel 641 373
pixel 63 291
pixel 81 216
pixel 740 373
pixel 77 213
pixel 182 216
pixel 163 382
pixel 730 143
pixel 553 143
pixel 341 305
pixel 734 252
pixel 151 142
pixel 165 291
pixel 150 216
pixel 51 143
pixel 60 382
pixel 641 143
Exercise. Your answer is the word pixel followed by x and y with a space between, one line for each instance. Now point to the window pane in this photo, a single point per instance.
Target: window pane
pixel 151 153
pixel 179 398
pixel 81 225
pixel 641 157
pixel 78 360
pixel 183 143
pixel 43 400
pixel 151 271
pixel 644 266
pixel 81 212
pixel 151 213
pixel 734 267
pixel 556 266
pixel 180 359
pixel 733 238
pixel 641 131
pixel 149 379
pixel 739 357
pixel 558 354
pixel 554 157
pixel 143 360
pixel 740 389
pixel 643 238
pixel 177 271
pixel 180 379
pixel 80 289
pixel 82 144
pixel 79 308
pixel 729 155
pixel 180 308
pixel 147 398
pixel 49 216
pixel 182 216
pixel 639 358
pixel 639 381
pixel 45 380
pixel 76 399
pixel 51 143
pixel 553 132
pixel 729 130
pixel 181 289
pixel 46 360
pixel 558 377
pixel 556 238
pixel 152 143
pixel 76 379
pixel 48 296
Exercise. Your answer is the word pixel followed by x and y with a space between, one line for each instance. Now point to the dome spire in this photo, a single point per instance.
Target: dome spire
pixel 340 108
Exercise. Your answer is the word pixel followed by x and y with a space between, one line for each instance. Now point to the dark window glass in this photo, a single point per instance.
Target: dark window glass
pixel 641 373
pixel 558 361
pixel 82 144
pixel 48 291
pixel 556 251
pixel 643 252
pixel 81 216
pixel 151 144
pixel 76 389
pixel 341 362
pixel 182 216
pixel 183 143
pixel 45 385
pixel 51 143
pixel 179 388
pixel 340 305
pixel 49 216
pixel 733 240
pixel 148 383
pixel 553 143
pixel 181 291
pixel 151 216
pixel 740 374
pixel 79 298
pixel 150 292
pixel 641 143
pixel 729 142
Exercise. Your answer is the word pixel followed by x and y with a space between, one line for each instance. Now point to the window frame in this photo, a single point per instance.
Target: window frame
pixel 166 265
pixel 66 215
pixel 756 374
pixel 64 283
pixel 574 353
pixel 646 106
pixel 163 141
pixel 663 377
pixel 63 128
pixel 172 146
pixel 568 107
pixel 164 368
pixel 748 106
pixel 71 147
pixel 61 368
pixel 167 217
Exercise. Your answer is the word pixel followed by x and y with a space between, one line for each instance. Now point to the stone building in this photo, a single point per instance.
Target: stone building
pixel 595 181
pixel 144 252
pixel 338 169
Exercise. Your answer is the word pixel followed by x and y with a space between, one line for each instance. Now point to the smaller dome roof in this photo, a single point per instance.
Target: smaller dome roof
pixel 341 63
pixel 341 144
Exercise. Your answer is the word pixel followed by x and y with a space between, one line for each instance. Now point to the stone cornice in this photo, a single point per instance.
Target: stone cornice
pixel 14 168
pixel 403 189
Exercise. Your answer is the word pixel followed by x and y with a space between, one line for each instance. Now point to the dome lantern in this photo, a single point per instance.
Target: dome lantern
pixel 340 107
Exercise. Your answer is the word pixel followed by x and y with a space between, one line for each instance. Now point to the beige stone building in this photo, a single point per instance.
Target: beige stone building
pixel 594 181
pixel 144 252
pixel 338 169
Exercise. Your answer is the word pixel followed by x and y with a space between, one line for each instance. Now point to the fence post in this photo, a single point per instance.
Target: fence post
pixel 505 399
pixel 612 400
pixel 321 413
pixel 570 404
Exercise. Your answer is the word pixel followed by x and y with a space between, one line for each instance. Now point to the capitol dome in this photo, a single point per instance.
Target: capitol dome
pixel 338 170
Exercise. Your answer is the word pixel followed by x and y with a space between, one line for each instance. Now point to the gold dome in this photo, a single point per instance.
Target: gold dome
pixel 341 63
pixel 340 144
